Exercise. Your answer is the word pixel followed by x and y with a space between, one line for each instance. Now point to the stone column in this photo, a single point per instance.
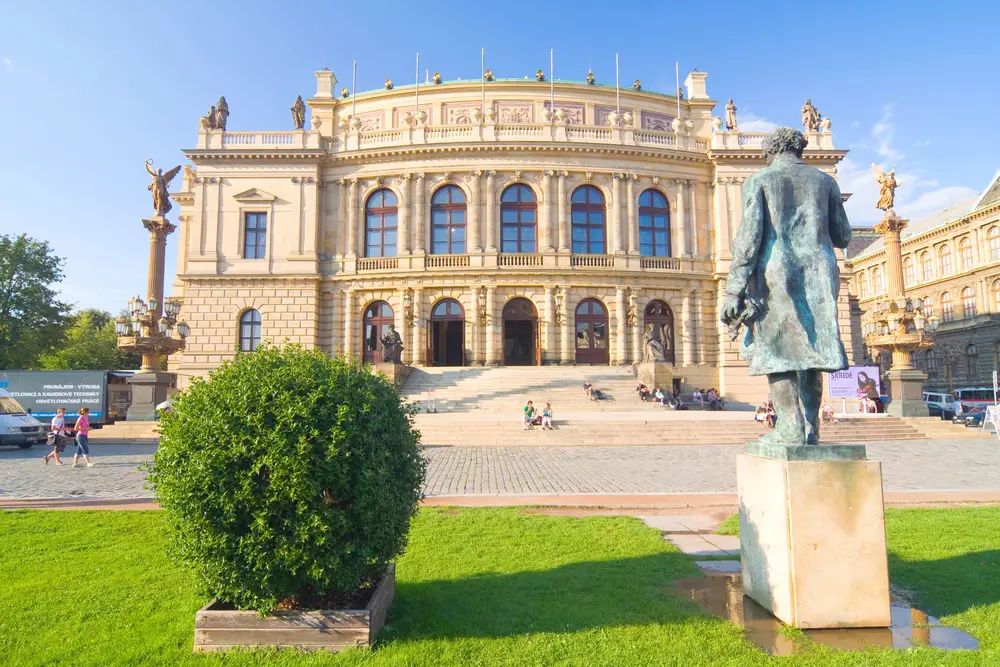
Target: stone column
pixel 616 214
pixel 890 229
pixel 632 220
pixel 700 338
pixel 565 243
pixel 350 322
pixel 977 252
pixel 568 356
pixel 419 329
pixel 620 342
pixel 687 328
pixel 418 217
pixel 352 219
pixel 491 326
pixel 401 325
pixel 477 328
pixel 695 243
pixel 491 213
pixel 549 338
pixel 546 217
pixel 475 208
pixel 637 334
pixel 682 234
pixel 403 242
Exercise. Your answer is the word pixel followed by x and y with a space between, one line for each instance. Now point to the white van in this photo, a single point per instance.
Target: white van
pixel 939 404
pixel 17 427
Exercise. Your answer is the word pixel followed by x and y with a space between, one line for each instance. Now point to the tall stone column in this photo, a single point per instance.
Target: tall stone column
pixel 977 256
pixel 700 338
pixel 475 210
pixel 620 341
pixel 403 242
pixel 682 232
pixel 546 216
pixel 491 326
pixel 687 328
pixel 565 243
pixel 549 338
pixel 695 242
pixel 419 247
pixel 890 229
pixel 616 214
pixel 568 356
pixel 637 337
pixel 419 329
pixel 352 219
pixel 491 213
pixel 477 328
pixel 350 321
pixel 632 220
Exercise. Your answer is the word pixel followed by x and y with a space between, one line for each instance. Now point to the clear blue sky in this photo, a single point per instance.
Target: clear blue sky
pixel 89 92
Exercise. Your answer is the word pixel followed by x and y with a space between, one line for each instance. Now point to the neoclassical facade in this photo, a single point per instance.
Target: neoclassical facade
pixel 951 260
pixel 483 226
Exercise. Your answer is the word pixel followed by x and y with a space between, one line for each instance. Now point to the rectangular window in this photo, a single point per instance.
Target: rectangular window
pixel 254 235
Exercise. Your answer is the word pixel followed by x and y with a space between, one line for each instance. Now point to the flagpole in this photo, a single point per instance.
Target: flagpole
pixel 354 91
pixel 618 90
pixel 552 81
pixel 416 77
pixel 677 92
pixel 483 67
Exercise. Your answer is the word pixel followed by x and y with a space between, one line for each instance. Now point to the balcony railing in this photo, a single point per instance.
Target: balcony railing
pixel 446 261
pixel 377 263
pixel 660 263
pixel 593 261
pixel 520 259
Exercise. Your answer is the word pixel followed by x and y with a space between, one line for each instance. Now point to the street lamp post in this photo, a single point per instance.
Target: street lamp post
pixel 149 328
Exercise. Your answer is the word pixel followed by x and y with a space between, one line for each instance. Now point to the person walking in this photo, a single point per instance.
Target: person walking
pixel 547 417
pixel 82 428
pixel 57 431
pixel 529 414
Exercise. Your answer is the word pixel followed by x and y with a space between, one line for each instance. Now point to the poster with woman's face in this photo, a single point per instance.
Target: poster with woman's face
pixel 855 382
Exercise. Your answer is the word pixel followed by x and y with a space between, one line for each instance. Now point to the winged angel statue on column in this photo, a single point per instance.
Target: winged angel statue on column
pixel 161 198
pixel 887 187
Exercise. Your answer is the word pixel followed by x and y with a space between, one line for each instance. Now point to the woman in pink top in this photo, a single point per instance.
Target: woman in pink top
pixel 82 428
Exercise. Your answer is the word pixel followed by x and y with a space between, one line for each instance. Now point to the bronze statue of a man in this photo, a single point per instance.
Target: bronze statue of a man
pixel 392 346
pixel 784 282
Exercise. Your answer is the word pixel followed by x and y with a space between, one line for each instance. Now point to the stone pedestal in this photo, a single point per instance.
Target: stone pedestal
pixel 656 373
pixel 397 373
pixel 907 393
pixel 149 389
pixel 812 537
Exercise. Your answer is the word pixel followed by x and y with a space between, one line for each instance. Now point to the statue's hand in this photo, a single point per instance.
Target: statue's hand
pixel 732 308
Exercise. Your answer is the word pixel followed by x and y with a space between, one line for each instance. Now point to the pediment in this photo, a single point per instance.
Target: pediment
pixel 254 195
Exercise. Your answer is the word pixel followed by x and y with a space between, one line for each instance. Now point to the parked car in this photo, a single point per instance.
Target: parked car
pixel 17 426
pixel 940 404
pixel 971 417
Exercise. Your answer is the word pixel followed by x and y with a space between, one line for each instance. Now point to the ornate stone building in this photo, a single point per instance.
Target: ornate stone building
pixel 951 260
pixel 514 235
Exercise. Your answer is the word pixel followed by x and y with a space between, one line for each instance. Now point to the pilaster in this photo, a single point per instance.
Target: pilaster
pixel 491 309
pixel 491 197
pixel 546 217
pixel 549 330
pixel 620 341
pixel 420 224
pixel 632 219
pixel 404 214
pixel 682 232
pixel 352 219
pixel 565 244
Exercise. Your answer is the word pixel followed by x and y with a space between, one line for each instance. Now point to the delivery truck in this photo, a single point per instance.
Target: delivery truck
pixel 41 393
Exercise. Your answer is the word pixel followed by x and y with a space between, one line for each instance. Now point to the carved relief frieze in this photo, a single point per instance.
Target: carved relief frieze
pixel 657 121
pixel 461 114
pixel 572 112
pixel 397 114
pixel 601 114
pixel 371 121
pixel 515 113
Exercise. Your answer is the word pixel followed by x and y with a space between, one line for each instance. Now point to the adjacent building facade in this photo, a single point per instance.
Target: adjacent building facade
pixel 951 260
pixel 511 222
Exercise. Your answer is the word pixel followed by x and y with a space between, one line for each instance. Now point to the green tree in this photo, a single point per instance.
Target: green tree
pixel 89 343
pixel 30 315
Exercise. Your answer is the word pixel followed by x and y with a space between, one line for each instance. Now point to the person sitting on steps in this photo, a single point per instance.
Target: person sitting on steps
pixel 644 393
pixel 529 415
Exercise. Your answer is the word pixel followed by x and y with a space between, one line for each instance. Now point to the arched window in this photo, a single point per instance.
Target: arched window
pixel 931 362
pixel 381 215
pixel 863 285
pixel 996 294
pixel 944 259
pixel 658 322
pixel 878 282
pixel 926 267
pixel 249 330
pixel 965 253
pixel 969 302
pixel 909 274
pixel 518 219
pixel 588 221
pixel 591 332
pixel 947 308
pixel 654 224
pixel 378 318
pixel 448 221
pixel 993 238
pixel 447 309
pixel 972 358
pixel 928 307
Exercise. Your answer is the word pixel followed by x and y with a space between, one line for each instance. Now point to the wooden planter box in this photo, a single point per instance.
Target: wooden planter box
pixel 218 629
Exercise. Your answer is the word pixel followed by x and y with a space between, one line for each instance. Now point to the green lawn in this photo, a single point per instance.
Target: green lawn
pixel 476 587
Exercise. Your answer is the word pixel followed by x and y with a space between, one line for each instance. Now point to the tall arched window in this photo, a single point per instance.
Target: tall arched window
pixel 944 259
pixel 375 325
pixel 250 323
pixel 947 308
pixel 588 221
pixel 863 285
pixel 969 302
pixel 381 215
pixel 654 224
pixel 931 362
pixel 996 294
pixel 518 219
pixel 926 266
pixel 878 282
pixel 928 307
pixel 965 253
pixel 909 274
pixel 658 323
pixel 448 221
pixel 993 238
pixel 972 359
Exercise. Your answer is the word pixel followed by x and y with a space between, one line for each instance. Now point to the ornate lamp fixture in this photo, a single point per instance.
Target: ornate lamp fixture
pixel 898 326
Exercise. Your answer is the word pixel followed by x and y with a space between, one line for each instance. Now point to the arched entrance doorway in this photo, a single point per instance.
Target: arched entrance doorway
pixel 660 318
pixel 520 333
pixel 378 317
pixel 592 333
pixel 447 333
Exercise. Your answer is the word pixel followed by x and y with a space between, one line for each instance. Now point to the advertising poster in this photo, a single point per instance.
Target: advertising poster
pixel 854 382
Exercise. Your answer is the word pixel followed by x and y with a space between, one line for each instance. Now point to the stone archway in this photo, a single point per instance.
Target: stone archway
pixel 520 333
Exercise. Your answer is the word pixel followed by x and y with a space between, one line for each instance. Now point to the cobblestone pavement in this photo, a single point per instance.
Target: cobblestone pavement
pixel 914 465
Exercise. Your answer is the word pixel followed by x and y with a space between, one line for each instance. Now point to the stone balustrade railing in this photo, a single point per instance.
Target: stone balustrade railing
pixel 520 262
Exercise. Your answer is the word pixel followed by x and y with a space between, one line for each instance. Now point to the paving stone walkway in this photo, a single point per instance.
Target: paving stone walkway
pixel 915 465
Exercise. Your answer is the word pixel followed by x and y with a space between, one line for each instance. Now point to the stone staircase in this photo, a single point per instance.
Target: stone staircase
pixel 125 432
pixel 935 427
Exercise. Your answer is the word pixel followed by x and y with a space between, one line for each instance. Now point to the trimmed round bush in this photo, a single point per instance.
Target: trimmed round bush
pixel 288 476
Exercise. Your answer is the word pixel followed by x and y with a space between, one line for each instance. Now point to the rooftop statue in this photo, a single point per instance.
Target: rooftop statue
pixel 539 75
pixel 208 122
pixel 221 114
pixel 730 115
pixel 489 75
pixel 887 188
pixel 810 116
pixel 299 113
pixel 590 78
pixel 784 282
pixel 161 198
pixel 344 92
